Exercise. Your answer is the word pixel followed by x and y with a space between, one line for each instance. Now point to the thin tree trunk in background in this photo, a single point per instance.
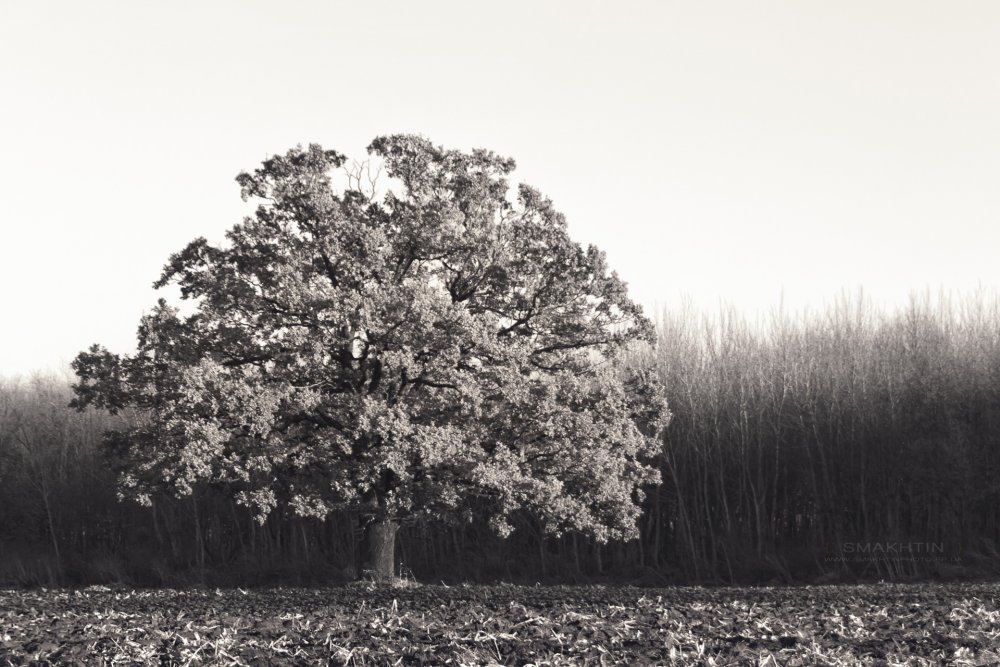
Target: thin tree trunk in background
pixel 683 517
pixel 576 555
pixel 156 525
pixel 236 527
pixel 657 530
pixel 541 551
pixel 199 543
pixel 305 540
pixel 52 530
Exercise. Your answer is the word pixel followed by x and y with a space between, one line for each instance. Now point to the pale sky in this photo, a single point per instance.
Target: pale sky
pixel 727 151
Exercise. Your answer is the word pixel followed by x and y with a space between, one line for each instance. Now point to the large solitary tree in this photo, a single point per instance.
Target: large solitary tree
pixel 438 347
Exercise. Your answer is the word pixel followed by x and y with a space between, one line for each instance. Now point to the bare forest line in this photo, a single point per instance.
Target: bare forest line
pixel 851 442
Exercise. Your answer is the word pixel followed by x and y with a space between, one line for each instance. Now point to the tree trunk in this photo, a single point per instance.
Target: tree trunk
pixel 199 540
pixel 380 548
pixel 52 530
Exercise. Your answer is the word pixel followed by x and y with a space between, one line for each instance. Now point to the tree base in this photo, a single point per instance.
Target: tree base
pixel 380 550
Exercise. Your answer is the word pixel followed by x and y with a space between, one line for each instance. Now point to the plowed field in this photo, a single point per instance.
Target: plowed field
pixel 506 625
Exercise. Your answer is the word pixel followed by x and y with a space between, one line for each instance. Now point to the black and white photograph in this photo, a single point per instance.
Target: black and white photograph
pixel 534 333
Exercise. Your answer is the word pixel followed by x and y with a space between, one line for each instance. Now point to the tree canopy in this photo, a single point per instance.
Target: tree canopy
pixel 439 347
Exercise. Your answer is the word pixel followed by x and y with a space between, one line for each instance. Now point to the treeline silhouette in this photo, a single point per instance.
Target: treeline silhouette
pixel 846 443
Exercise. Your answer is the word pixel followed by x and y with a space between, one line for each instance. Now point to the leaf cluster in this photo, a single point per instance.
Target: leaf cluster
pixel 443 349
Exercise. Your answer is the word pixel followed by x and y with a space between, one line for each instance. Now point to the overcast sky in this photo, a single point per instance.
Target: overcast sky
pixel 728 151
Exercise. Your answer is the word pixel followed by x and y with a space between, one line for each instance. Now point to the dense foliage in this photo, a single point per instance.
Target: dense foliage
pixel 442 350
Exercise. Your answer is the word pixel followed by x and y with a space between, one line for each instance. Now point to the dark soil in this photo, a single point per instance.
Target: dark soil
pixel 928 624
